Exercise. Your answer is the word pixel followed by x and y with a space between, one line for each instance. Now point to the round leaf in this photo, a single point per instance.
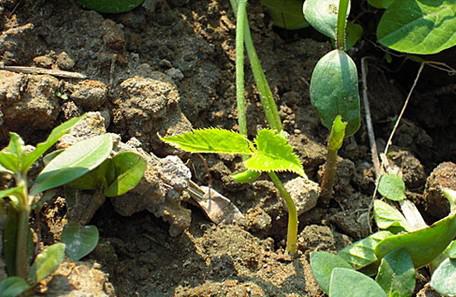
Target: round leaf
pixel 47 262
pixel 348 282
pixel 322 264
pixel 111 6
pixel 418 26
pixel 79 240
pixel 129 168
pixel 443 279
pixel 334 90
pixel 73 163
pixel 322 15
pixel 392 186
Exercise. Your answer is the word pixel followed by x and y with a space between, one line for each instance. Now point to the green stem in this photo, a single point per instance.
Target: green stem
pixel 22 265
pixel 240 97
pixel 341 24
pixel 292 232
pixel 329 174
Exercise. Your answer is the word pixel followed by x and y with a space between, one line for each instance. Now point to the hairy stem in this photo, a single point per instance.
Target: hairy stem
pixel 292 232
pixel 341 24
pixel 240 97
pixel 22 265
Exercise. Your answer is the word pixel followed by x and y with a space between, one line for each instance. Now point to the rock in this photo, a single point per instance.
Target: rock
pixel 43 61
pixel 19 44
pixel 435 204
pixel 315 237
pixel 147 106
pixel 89 94
pixel 114 36
pixel 175 74
pixel 258 220
pixel 64 61
pixel 76 279
pixel 28 101
pixel 304 192
pixel 412 169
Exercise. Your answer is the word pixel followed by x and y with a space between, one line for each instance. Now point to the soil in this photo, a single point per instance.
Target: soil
pixel 168 67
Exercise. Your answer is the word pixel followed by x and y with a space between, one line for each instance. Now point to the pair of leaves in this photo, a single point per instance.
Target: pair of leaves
pixel 271 151
pixel 114 176
pixel 336 277
pixel 334 90
pixel 418 26
pixel 286 13
pixel 111 6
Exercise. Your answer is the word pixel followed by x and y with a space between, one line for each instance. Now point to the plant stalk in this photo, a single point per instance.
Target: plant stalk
pixel 292 232
pixel 22 265
pixel 240 88
pixel 341 24
pixel 329 174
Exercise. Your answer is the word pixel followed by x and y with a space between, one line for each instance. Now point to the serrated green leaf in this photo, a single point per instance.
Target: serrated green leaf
pixel 73 163
pixel 380 3
pixel 433 239
pixel 273 154
pixel 443 278
pixel 47 262
pixel 79 240
pixel 362 253
pixel 392 186
pixel 111 6
pixel 129 169
pixel 334 90
pixel 348 282
pixel 387 216
pixel 337 134
pixel 322 15
pixel 396 274
pixel 41 148
pixel 418 26
pixel 286 14
pixel 211 140
pixel 13 286
pixel 323 263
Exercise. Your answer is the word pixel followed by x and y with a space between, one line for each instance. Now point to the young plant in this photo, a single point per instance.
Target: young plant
pixel 334 83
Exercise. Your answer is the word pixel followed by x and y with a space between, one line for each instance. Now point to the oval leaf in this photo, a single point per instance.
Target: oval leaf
pixel 418 26
pixel 322 264
pixel 211 140
pixel 79 240
pixel 396 274
pixel 47 262
pixel 13 286
pixel 392 186
pixel 334 90
pixel 111 6
pixel 322 15
pixel 274 153
pixel 433 240
pixel 129 168
pixel 443 279
pixel 348 282
pixel 387 216
pixel 73 163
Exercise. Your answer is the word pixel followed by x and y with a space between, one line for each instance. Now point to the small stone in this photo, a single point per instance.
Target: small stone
pixel 258 219
pixel 175 74
pixel 43 61
pixel 90 94
pixel 114 37
pixel 304 192
pixel 64 61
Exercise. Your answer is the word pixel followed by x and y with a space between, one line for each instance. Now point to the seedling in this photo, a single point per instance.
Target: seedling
pixel 19 200
pixel 334 83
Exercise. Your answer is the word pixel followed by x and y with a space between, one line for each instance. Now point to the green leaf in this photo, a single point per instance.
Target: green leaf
pixel 49 157
pixel 13 286
pixel 14 194
pixel 3 169
pixel 451 250
pixel 337 134
pixel 9 162
pixel 322 264
pixel 387 216
pixel 41 148
pixel 47 262
pixel 348 282
pixel 392 186
pixel 362 253
pixel 246 176
pixel 322 15
pixel 273 154
pixel 442 279
pixel 73 163
pixel 286 14
pixel 418 26
pixel 396 274
pixel 212 140
pixel 129 168
pixel 111 6
pixel 11 155
pixel 334 90
pixel 433 240
pixel 380 3
pixel 95 179
pixel 354 34
pixel 79 240
pixel 10 239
